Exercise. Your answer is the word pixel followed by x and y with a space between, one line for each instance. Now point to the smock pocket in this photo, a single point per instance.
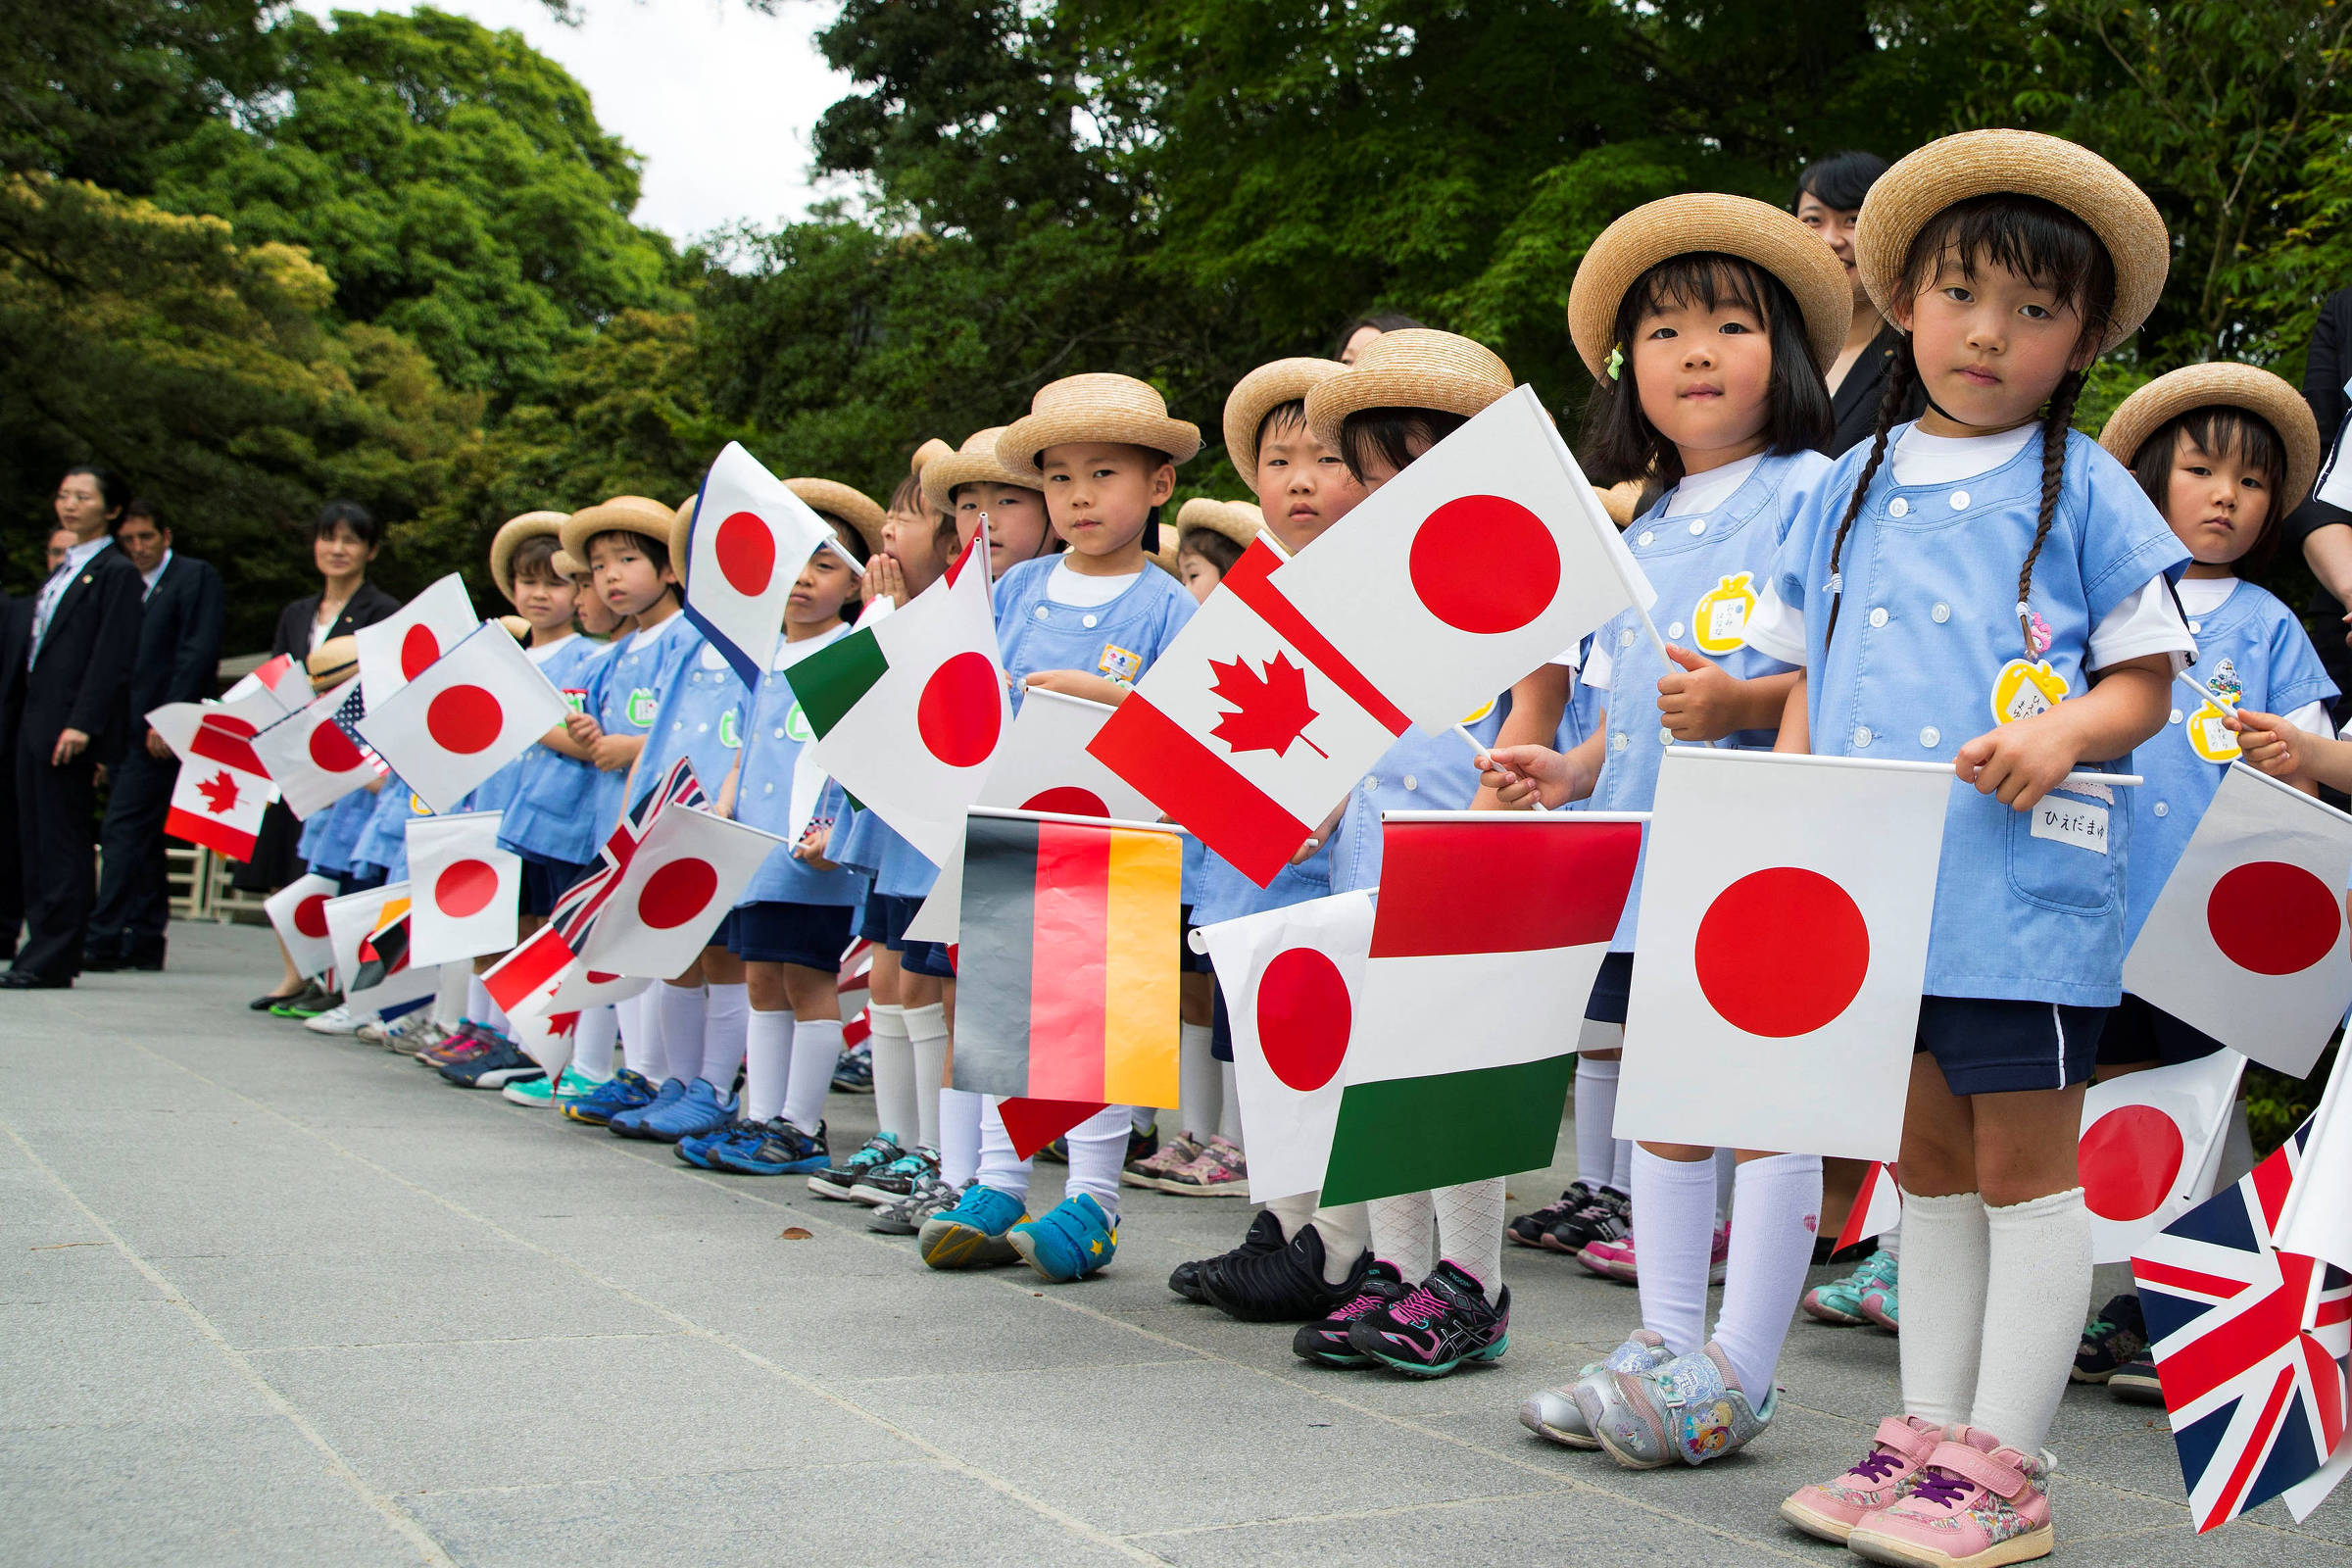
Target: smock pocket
pixel 2064 853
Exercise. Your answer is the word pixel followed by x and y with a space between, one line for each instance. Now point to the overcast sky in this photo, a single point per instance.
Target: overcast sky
pixel 717 99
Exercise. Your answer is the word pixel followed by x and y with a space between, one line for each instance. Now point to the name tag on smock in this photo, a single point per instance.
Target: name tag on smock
pixel 2074 822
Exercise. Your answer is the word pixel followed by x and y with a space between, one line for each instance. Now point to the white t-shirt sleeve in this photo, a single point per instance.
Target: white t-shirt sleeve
pixel 1598 667
pixel 1776 629
pixel 2147 623
pixel 2313 718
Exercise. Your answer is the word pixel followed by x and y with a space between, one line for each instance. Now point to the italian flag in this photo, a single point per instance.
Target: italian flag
pixel 908 709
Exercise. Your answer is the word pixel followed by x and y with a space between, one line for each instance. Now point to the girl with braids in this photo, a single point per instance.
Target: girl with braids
pixel 1988 563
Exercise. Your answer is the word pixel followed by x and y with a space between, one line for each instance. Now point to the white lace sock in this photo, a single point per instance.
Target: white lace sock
pixel 1595 1113
pixel 684 1012
pixel 592 1042
pixel 1470 1230
pixel 1403 1232
pixel 2038 1287
pixel 816 1053
pixel 1776 1213
pixel 1890 1241
pixel 1097 1148
pixel 894 1111
pixel 724 1040
pixel 1229 1108
pixel 999 1168
pixel 958 1136
pixel 766 1064
pixel 1199 1089
pixel 1674 1212
pixel 927 1040
pixel 1947 1254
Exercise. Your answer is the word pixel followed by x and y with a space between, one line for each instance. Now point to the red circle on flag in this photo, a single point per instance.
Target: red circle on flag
pixel 419 648
pixel 1453 572
pixel 676 892
pixel 598 977
pixel 332 750
pixel 2130 1157
pixel 1781 951
pixel 1303 1018
pixel 463 719
pixel 465 887
pixel 1070 800
pixel 746 553
pixel 2272 918
pixel 309 916
pixel 957 716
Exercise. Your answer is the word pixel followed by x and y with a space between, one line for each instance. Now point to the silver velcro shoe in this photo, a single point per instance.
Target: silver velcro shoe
pixel 1557 1413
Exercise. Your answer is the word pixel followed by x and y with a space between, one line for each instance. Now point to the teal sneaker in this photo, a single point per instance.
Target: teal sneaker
pixel 1074 1238
pixel 623 1091
pixel 574 1087
pixel 1839 1301
pixel 538 1093
pixel 973 1233
pixel 836 1181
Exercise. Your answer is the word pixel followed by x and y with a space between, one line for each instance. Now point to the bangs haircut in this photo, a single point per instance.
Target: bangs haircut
pixel 2027 236
pixel 1279 419
pixel 1619 441
pixel 350 515
pixel 1210 546
pixel 909 496
pixel 652 549
pixel 1839 181
pixel 535 557
pixel 1388 434
pixel 2220 431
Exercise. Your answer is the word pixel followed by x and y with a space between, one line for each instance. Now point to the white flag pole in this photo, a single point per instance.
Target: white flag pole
pixel 2219 701
pixel 1477 751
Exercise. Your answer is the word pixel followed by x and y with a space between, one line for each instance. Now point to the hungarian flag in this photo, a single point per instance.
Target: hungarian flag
pixel 1068 964
pixel 1877 1208
pixel 1250 727
pixel 2318 1217
pixel 748 541
pixel 1476 564
pixel 2151 1146
pixel 313 757
pixel 2254 912
pixel 468 890
pixel 404 644
pixel 683 876
pixel 1042 767
pixel 909 709
pixel 1782 945
pixel 475 710
pixel 221 791
pixel 298 914
pixel 369 930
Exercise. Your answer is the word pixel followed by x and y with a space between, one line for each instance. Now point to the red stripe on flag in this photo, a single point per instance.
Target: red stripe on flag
pixel 2172 1278
pixel 1066 964
pixel 528 968
pixel 1249 582
pixel 2255 1451
pixel 1032 1124
pixel 1198 787
pixel 1440 885
pixel 215 742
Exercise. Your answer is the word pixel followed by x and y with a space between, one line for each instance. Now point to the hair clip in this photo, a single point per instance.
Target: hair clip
pixel 1836 583
pixel 1616 361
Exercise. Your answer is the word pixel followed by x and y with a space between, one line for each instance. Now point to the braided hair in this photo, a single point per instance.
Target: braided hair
pixel 2056 421
pixel 1899 378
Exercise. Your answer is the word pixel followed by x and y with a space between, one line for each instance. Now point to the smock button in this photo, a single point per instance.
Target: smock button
pixel 1861 734
pixel 767 789
pixel 1698 525
pixel 1941 614
pixel 678 723
pixel 1625 638
pixel 779 734
pixel 1040 611
pixel 2163 810
pixel 2196 625
pixel 1646 538
pixel 1409 782
pixel 1898 508
pixel 1930 736
pixel 1959 501
pixel 1086 620
pixel 1878 617
pixel 1675 630
pixel 1617 742
pixel 700 728
pixel 2174 718
pixel 1665 736
pixel 1371 784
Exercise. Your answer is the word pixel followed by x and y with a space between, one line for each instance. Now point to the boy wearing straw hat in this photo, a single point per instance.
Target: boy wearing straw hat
pixel 972 486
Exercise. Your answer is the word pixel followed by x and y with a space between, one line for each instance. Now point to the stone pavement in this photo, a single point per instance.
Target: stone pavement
pixel 268 1298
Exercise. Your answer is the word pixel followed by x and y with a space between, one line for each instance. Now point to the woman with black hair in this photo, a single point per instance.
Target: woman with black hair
pixel 1364 329
pixel 1829 198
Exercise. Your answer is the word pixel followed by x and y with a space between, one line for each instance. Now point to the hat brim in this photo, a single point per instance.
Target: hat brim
pixel 509 539
pixel 1028 437
pixel 638 514
pixel 941 477
pixel 853 507
pixel 1225 517
pixel 2017 163
pixel 2222 385
pixel 1355 390
pixel 1260 393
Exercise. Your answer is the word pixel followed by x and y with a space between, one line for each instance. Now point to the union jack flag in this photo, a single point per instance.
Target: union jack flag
pixel 2249 1343
pixel 577 909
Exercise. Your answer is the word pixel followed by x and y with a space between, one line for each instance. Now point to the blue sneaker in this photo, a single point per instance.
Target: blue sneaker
pixel 773 1148
pixel 574 1087
pixel 698 1149
pixel 701 1109
pixel 853 1074
pixel 631 1123
pixel 623 1091
pixel 835 1181
pixel 973 1233
pixel 1075 1239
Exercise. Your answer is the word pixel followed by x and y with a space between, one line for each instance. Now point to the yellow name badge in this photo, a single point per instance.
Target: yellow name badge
pixel 2023 689
pixel 1719 621
pixel 1480 712
pixel 2210 736
pixel 1119 664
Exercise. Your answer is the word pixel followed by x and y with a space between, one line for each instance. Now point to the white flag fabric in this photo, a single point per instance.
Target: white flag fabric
pixel 280 676
pixel 1878 1207
pixel 1042 767
pixel 467 890
pixel 478 708
pixel 369 930
pixel 221 791
pixel 298 914
pixel 686 874
pixel 2247 942
pixel 2151 1145
pixel 310 758
pixel 404 644
pixel 1780 947
pixel 1473 566
pixel 2317 1220
pixel 748 541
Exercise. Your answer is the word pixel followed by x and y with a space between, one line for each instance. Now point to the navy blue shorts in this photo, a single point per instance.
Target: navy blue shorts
pixel 546 881
pixel 811 935
pixel 885 923
pixel 1610 989
pixel 360 879
pixel 2139 1032
pixel 1220 1027
pixel 1993 1044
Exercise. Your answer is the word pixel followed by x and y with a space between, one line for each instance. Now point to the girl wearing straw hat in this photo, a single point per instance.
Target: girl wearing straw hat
pixel 1987 563
pixel 972 486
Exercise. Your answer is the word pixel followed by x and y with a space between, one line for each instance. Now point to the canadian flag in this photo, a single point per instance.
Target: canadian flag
pixel 478 708
pixel 747 544
pixel 312 758
pixel 1250 725
pixel 222 792
pixel 467 888
pixel 529 977
pixel 2151 1146
pixel 1877 1208
pixel 1780 947
pixel 685 875
pixel 2246 942
pixel 298 914
pixel 404 644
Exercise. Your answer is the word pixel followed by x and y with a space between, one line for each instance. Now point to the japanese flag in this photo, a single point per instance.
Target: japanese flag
pixel 298 914
pixel 747 542
pixel 467 888
pixel 1473 566
pixel 1784 943
pixel 1292 978
pixel 311 759
pixel 2151 1147
pixel 2317 1219
pixel 1042 767
pixel 222 792
pixel 478 708
pixel 1878 1207
pixel 404 645
pixel 2246 942
pixel 686 874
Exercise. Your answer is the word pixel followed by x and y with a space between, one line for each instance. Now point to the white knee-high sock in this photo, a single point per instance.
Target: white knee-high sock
pixel 684 1013
pixel 477 1000
pixel 1346 1231
pixel 1229 1106
pixel 927 1046
pixel 1621 1174
pixel 2038 1287
pixel 1403 1232
pixel 1727 1169
pixel 816 1053
pixel 1674 1213
pixel 999 1168
pixel 592 1041
pixel 723 1035
pixel 1470 1230
pixel 1143 1118
pixel 641 1034
pixel 767 1063
pixel 958 1136
pixel 1198 1086
pixel 1946 1256
pixel 1596 1114
pixel 451 988
pixel 1890 1241
pixel 894 1111
pixel 1097 1148
pixel 1775 1212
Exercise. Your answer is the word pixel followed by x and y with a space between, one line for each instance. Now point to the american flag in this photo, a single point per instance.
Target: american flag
pixel 346 718
pixel 577 909
pixel 2249 1345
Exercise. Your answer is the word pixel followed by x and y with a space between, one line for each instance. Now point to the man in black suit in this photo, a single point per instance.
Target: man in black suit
pixel 16 620
pixel 80 650
pixel 180 657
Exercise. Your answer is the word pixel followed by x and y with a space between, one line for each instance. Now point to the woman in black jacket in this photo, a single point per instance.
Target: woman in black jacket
pixel 1829 198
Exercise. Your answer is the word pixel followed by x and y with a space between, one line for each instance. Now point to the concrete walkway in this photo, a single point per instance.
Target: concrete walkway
pixel 268 1298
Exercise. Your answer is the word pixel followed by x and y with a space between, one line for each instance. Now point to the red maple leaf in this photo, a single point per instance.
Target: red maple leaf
pixel 219 793
pixel 1270 710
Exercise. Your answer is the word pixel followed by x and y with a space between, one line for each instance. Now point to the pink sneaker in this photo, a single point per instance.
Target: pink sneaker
pixel 1220 1170
pixel 1831 1509
pixel 1974 1504
pixel 1612 1261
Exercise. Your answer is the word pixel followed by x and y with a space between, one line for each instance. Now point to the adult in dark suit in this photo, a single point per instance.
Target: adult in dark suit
pixel 16 621
pixel 1829 198
pixel 81 648
pixel 179 657
pixel 2324 532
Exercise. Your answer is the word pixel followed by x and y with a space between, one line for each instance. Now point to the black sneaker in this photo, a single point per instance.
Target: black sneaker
pixel 2112 1340
pixel 1142 1144
pixel 1325 1343
pixel 1281 1286
pixel 2136 1382
pixel 1610 1217
pixel 1265 1236
pixel 1437 1326
pixel 502 1064
pixel 1528 1229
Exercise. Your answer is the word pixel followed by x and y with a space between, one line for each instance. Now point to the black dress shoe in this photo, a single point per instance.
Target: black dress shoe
pixel 147 956
pixel 27 980
pixel 94 961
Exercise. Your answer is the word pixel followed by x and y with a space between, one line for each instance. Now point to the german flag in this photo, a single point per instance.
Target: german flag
pixel 1066 981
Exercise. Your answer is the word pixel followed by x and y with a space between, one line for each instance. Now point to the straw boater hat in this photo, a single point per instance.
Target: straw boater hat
pixel 928 452
pixel 567 567
pixel 1730 226
pixel 332 662
pixel 1412 368
pixel 509 539
pixel 626 514
pixel 974 463
pixel 1260 393
pixel 1101 407
pixel 853 507
pixel 2235 386
pixel 2017 163
pixel 1238 520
